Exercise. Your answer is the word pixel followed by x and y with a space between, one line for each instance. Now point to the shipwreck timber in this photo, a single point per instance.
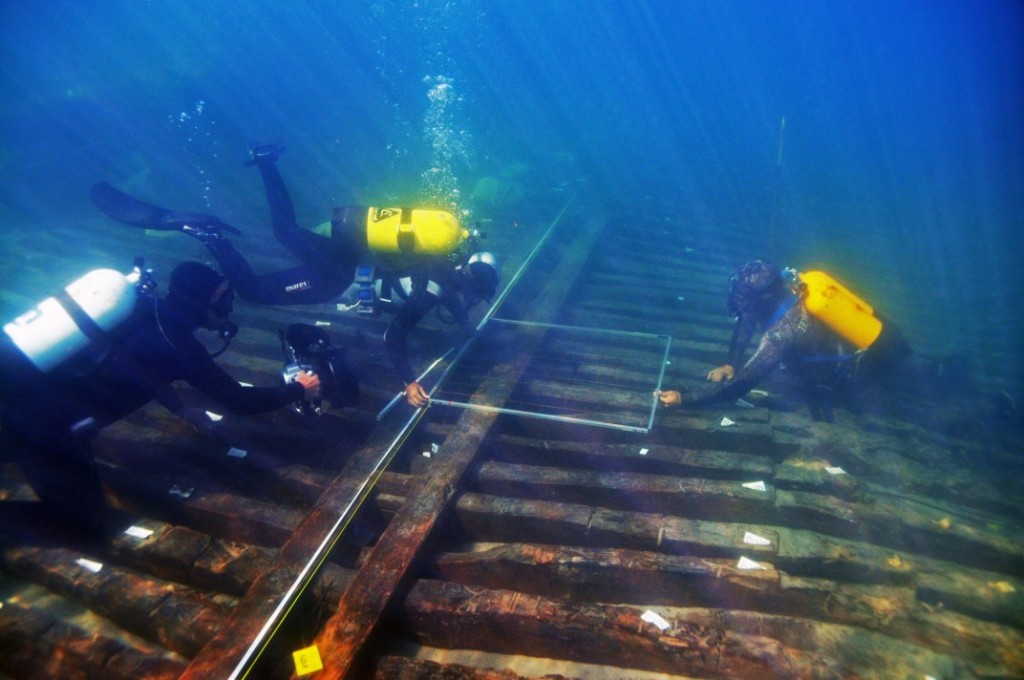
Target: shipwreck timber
pixel 773 547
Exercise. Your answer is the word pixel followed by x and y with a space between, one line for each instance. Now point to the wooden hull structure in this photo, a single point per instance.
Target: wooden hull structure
pixel 467 543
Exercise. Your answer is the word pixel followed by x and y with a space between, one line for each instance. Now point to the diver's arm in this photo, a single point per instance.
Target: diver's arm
pixel 453 303
pixel 773 347
pixel 416 395
pixel 203 373
pixel 170 398
pixel 397 334
pixel 742 333
pixel 721 373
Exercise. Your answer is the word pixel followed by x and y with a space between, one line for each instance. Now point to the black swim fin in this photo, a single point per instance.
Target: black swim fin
pixel 120 206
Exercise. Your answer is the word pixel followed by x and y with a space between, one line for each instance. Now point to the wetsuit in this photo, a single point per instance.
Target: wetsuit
pixel 52 418
pixel 328 263
pixel 412 297
pixel 809 349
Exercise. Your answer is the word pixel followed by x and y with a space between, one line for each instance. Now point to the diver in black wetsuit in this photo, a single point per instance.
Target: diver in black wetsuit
pixel 52 417
pixel 328 263
pixel 760 298
pixel 411 295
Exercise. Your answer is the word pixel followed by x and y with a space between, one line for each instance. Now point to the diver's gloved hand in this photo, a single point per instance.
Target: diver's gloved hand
pixel 723 372
pixel 311 383
pixel 264 153
pixel 415 395
pixel 670 397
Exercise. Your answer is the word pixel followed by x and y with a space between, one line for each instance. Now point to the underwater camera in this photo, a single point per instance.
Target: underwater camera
pixel 307 348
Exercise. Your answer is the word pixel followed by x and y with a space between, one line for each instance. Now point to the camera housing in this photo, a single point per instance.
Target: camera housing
pixel 309 349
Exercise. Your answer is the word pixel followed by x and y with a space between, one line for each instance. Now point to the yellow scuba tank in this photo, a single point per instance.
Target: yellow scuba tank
pixel 841 310
pixel 60 327
pixel 413 231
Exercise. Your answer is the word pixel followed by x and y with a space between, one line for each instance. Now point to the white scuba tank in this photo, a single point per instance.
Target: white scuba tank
pixel 49 334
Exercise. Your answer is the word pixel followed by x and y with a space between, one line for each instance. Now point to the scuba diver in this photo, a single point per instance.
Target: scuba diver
pixel 57 395
pixel 411 295
pixel 830 354
pixel 375 260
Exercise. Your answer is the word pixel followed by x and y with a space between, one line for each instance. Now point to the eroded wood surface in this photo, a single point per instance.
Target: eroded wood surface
pixel 538 548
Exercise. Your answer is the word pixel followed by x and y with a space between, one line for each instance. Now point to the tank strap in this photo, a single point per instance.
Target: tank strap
pixel 406 238
pixel 89 328
pixel 394 291
pixel 781 310
pixel 830 358
pixel 405 288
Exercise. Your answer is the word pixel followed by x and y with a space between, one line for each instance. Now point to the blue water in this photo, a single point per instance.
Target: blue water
pixel 898 166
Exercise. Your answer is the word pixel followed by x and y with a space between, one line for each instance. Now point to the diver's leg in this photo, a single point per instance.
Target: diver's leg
pixel 250 286
pixel 297 285
pixel 348 234
pixel 311 248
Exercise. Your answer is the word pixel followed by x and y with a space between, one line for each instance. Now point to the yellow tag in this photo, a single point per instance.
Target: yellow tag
pixel 307 660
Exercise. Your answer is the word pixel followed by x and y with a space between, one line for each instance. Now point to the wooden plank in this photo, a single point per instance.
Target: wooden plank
pixel 192 558
pixel 177 617
pixel 174 553
pixel 894 519
pixel 207 506
pixel 661 458
pixel 641 253
pixel 701 642
pixel 615 575
pixel 709 291
pixel 693 498
pixel 800 552
pixel 993 651
pixel 37 646
pixel 493 518
pixel 401 668
pixel 985 595
pixel 187 556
